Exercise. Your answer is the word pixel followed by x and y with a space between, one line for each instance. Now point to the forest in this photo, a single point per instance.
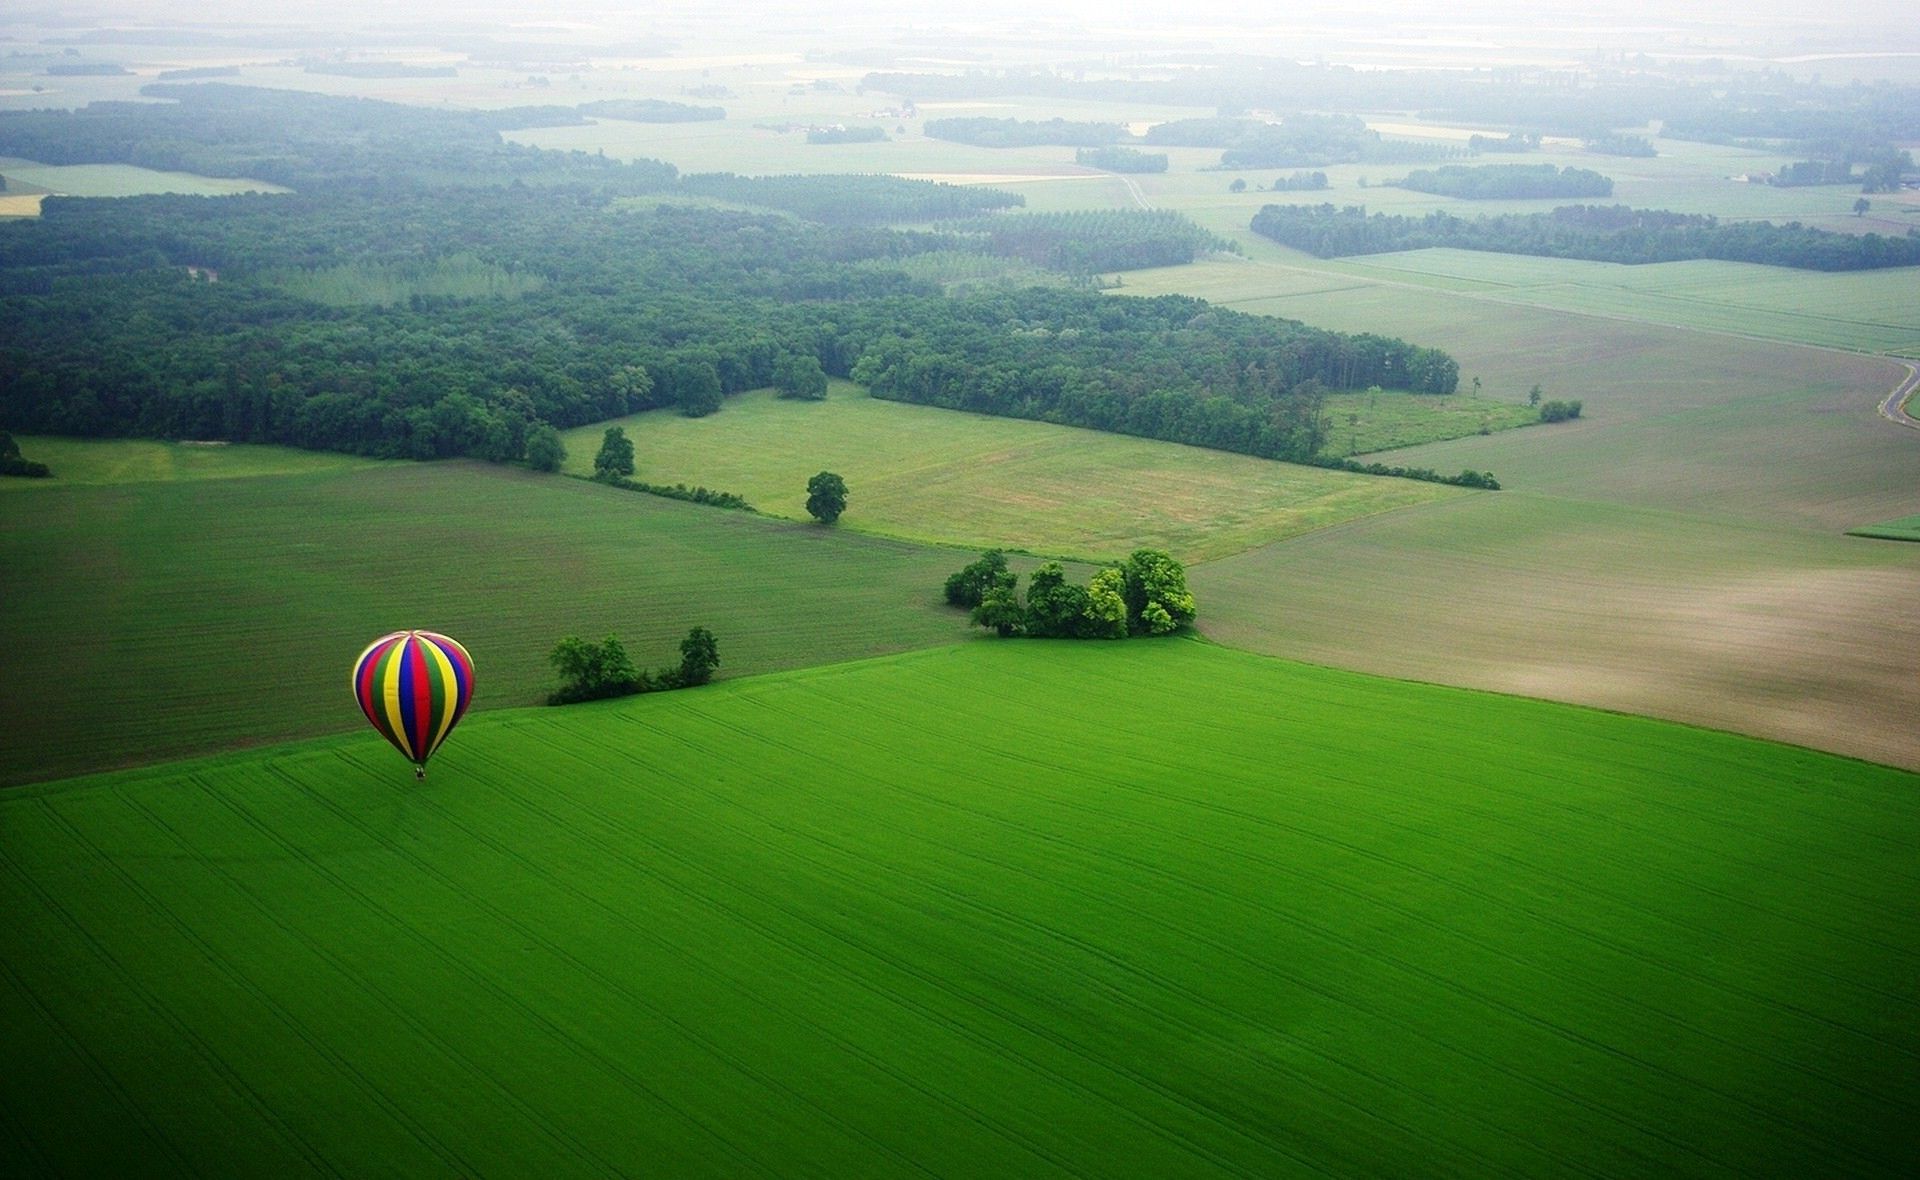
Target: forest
pixel 1599 233
pixel 421 320
pixel 853 199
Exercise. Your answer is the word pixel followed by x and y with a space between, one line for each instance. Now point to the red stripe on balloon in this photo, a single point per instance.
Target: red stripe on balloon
pixel 422 698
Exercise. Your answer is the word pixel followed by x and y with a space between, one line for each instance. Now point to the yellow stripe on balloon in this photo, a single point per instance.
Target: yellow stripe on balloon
pixel 448 714
pixel 390 693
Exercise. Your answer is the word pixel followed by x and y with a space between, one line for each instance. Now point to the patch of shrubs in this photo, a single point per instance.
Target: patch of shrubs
pixel 11 462
pixel 1559 411
pixel 1466 479
pixel 1144 595
pixel 597 671
pixel 680 491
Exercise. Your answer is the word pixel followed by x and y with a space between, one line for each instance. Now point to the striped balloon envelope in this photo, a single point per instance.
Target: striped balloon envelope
pixel 413 686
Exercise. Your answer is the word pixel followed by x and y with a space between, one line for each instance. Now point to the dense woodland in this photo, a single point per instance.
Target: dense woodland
pixel 1092 242
pixel 1495 181
pixel 853 199
pixel 1601 233
pixel 544 299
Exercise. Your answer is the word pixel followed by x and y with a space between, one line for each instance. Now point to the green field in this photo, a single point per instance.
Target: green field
pixel 1363 422
pixel 969 479
pixel 150 620
pixel 79 461
pixel 123 180
pixel 974 912
pixel 1907 528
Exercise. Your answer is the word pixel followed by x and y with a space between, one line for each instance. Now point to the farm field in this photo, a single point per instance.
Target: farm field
pixel 1318 922
pixel 1862 311
pixel 1795 635
pixel 944 476
pixel 77 461
pixel 1905 529
pixel 152 620
pixel 1867 311
pixel 123 180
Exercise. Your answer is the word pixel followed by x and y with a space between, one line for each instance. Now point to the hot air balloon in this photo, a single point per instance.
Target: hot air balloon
pixel 413 686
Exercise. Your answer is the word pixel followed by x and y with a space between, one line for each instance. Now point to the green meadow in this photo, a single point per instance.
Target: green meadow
pixel 975 911
pixel 153 619
pixel 943 476
pixel 79 461
pixel 1905 529
pixel 122 180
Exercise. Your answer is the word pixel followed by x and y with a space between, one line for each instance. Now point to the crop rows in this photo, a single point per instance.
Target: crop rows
pixel 976 910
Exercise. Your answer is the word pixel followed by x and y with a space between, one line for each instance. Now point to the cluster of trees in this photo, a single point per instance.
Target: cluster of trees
pixel 1298 141
pixel 1495 181
pixel 1121 159
pixel 12 462
pixel 597 671
pixel 650 110
pixel 981 131
pixel 1601 233
pixel 1299 182
pixel 1805 173
pixel 1559 411
pixel 854 200
pixel 1087 242
pixel 1145 595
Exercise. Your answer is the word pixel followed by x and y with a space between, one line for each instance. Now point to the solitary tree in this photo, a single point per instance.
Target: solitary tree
pixel 1238 186
pixel 545 451
pixel 699 656
pixel 615 460
pixel 1533 396
pixel 1861 205
pixel 826 497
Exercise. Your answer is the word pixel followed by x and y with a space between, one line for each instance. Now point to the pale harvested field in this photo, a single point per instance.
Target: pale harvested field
pixel 1798 636
pixel 1677 552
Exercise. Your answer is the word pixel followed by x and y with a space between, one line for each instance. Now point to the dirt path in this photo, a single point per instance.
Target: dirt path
pixel 1893 407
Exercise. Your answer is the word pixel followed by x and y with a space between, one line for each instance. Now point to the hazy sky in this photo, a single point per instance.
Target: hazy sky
pixel 1774 29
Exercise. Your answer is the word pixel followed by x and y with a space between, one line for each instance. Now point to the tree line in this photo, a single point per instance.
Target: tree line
pixel 1599 233
pixel 1091 241
pixel 1495 181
